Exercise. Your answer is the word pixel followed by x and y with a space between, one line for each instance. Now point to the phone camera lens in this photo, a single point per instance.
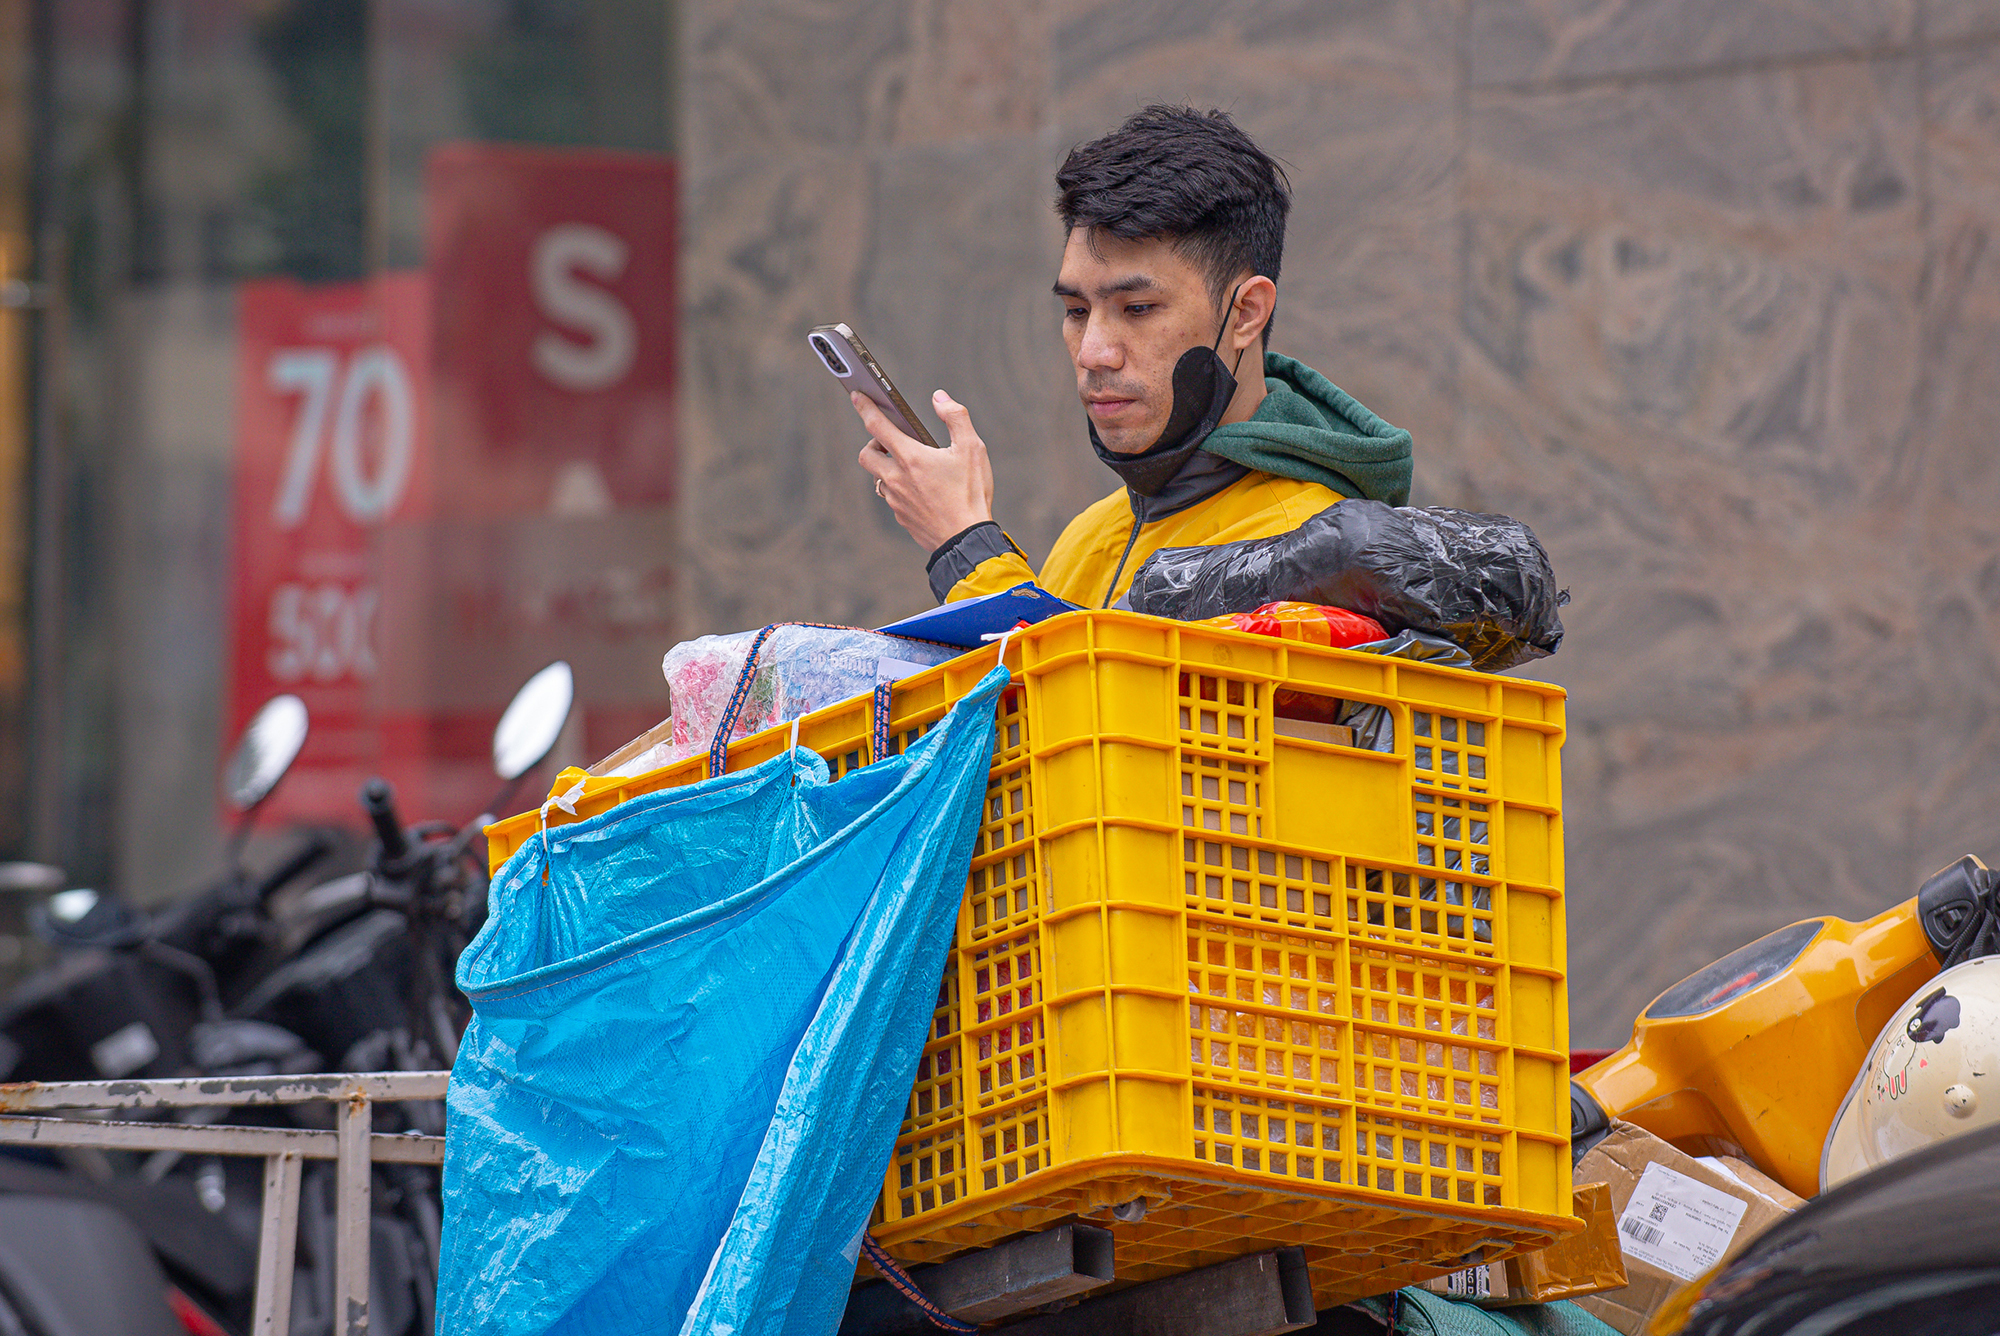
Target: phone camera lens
pixel 833 360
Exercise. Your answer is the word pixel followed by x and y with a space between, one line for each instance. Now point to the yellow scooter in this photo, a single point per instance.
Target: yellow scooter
pixel 1752 1055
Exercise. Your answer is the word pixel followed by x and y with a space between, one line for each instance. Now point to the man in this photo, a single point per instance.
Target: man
pixel 1175 227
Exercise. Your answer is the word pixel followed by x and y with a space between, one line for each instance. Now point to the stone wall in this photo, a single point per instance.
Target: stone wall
pixel 1705 290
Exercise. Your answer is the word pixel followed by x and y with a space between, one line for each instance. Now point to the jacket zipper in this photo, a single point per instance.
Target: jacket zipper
pixel 1138 522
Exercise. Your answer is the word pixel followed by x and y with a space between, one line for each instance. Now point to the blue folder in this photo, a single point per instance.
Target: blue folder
pixel 968 622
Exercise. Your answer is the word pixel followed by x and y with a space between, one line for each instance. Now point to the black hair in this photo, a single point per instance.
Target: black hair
pixel 1190 178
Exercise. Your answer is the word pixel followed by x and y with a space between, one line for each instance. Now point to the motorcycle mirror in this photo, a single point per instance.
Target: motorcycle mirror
pixel 82 917
pixel 534 720
pixel 72 906
pixel 265 752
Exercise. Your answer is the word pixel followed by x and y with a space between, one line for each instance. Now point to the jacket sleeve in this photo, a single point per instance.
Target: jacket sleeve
pixel 979 560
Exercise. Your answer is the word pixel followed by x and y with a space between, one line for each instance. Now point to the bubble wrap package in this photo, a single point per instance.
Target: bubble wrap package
pixel 799 669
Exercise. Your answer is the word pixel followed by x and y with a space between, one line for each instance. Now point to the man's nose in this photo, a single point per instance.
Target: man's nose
pixel 1099 351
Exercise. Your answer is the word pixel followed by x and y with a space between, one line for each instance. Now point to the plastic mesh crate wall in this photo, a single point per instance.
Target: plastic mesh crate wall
pixel 1251 988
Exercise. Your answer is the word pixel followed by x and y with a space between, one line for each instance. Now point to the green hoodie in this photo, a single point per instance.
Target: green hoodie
pixel 1310 429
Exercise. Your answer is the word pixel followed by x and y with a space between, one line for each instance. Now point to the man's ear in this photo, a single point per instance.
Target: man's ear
pixel 1256 299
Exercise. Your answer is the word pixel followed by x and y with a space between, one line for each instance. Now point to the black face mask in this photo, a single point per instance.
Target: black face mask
pixel 1203 387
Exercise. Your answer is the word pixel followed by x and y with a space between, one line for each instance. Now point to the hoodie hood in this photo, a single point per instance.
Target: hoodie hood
pixel 1311 430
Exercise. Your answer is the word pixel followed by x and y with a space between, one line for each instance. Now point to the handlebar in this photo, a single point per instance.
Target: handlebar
pixel 379 800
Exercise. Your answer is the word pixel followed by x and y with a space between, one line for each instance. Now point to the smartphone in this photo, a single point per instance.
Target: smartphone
pixel 848 358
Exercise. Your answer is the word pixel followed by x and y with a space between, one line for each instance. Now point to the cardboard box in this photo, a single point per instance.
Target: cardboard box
pixel 1751 1176
pixel 1678 1216
pixel 1340 735
pixel 1582 1263
pixel 1485 1285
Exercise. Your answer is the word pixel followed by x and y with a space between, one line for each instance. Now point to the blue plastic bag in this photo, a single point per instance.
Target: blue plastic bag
pixel 693 1042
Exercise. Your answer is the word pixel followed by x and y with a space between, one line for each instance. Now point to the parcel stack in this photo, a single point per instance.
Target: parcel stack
pixel 1679 1216
pixel 1220 984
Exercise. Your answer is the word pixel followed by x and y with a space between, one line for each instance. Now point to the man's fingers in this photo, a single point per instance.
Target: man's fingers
pixel 887 434
pixel 957 418
pixel 879 461
pixel 871 416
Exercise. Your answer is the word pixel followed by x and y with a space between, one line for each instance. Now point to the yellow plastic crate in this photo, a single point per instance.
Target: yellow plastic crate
pixel 1223 988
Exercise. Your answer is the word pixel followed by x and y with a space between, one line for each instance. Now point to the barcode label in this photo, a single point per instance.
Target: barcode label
pixel 1641 1231
pixel 1678 1224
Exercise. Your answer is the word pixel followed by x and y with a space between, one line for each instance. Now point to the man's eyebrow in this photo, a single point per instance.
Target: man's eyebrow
pixel 1129 283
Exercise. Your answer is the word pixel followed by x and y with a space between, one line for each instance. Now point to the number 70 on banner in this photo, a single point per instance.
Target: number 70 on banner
pixel 338 400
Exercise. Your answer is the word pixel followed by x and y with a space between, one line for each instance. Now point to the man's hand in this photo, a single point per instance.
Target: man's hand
pixel 935 494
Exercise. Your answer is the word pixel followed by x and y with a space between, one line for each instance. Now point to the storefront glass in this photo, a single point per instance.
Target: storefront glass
pixel 358 378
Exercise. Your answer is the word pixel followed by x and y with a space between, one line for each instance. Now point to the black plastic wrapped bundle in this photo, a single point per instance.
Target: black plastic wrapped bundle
pixel 1483 581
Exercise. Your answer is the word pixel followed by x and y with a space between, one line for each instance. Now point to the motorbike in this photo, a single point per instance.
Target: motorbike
pixel 1752 1055
pixel 263 974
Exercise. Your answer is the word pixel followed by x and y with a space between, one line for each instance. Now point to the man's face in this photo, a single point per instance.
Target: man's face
pixel 1130 309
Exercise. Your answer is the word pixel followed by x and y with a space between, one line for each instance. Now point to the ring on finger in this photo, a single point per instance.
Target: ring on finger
pixel 878 490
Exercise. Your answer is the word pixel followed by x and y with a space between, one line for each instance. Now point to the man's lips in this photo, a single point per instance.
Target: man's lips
pixel 1108 407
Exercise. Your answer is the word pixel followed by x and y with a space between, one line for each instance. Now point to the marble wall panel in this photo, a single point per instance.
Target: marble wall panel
pixel 978 69
pixel 1537 41
pixel 1952 21
pixel 1956 442
pixel 1950 456
pixel 782 76
pixel 775 76
pixel 1139 50
pixel 1692 319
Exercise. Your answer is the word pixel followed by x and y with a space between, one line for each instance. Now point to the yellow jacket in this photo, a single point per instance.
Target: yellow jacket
pixel 1101 549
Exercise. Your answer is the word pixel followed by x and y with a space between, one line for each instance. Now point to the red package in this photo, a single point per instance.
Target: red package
pixel 1313 623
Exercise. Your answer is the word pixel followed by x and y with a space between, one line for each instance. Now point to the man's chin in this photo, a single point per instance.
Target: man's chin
pixel 1128 440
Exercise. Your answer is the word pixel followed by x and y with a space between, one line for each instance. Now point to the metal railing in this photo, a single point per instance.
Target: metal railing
pixel 353 1146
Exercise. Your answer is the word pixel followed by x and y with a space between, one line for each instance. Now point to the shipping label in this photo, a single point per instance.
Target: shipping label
pixel 1678 1224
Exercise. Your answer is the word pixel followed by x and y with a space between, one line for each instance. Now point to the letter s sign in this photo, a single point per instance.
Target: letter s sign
pixel 605 339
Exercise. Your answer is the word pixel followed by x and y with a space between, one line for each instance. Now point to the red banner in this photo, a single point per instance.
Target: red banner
pixel 553 382
pixel 333 446
pixel 448 479
pixel 556 323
